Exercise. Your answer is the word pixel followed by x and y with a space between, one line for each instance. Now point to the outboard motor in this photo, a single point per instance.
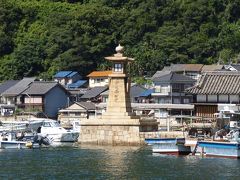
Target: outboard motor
pixel 45 141
pixel 41 140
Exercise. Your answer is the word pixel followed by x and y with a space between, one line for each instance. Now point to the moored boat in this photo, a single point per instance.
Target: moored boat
pixel 16 126
pixel 15 144
pixel 225 148
pixel 221 149
pixel 174 146
pixel 57 134
pixel 10 140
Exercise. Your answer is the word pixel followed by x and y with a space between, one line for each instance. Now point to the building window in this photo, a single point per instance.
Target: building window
pixel 97 80
pixel 201 98
pixel 223 98
pixel 186 100
pixel 177 87
pixel 157 88
pixel 212 98
pixel 77 114
pixel 165 89
pixel 176 101
pixel 118 67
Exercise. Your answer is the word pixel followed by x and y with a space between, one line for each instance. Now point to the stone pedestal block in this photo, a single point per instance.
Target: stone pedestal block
pixel 114 134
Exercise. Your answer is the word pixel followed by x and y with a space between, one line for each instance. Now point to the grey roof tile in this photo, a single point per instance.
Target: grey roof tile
pixel 40 87
pixel 7 84
pixel 87 105
pixel 94 92
pixel 136 90
pixel 159 74
pixel 19 87
pixel 218 82
pixel 183 67
pixel 174 78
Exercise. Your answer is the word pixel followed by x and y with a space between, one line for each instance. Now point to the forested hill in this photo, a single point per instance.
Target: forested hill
pixel 40 37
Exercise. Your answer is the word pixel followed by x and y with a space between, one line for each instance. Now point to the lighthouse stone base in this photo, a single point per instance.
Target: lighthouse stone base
pixel 122 131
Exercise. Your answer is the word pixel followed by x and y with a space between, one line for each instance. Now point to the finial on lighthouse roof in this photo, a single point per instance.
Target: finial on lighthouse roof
pixel 119 48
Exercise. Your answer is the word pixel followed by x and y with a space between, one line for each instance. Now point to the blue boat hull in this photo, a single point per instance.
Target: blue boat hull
pixel 221 149
pixel 151 141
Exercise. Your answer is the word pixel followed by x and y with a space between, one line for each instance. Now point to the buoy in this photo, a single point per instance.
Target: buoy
pixel 29 144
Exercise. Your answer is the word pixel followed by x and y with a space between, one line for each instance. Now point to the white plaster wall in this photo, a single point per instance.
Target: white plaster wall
pixel 33 99
pixel 223 98
pixel 234 98
pixel 92 82
pixel 212 98
pixel 162 88
pixel 201 98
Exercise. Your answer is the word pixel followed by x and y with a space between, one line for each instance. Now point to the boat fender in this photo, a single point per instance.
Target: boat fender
pixel 29 144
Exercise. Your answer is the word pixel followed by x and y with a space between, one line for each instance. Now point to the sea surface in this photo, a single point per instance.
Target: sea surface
pixel 107 162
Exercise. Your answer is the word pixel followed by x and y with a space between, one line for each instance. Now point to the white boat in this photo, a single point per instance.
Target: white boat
pixel 57 134
pixel 48 128
pixel 9 141
pixel 174 146
pixel 22 140
pixel 17 126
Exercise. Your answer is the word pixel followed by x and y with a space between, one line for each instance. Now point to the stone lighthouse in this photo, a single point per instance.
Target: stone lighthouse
pixel 119 103
pixel 118 125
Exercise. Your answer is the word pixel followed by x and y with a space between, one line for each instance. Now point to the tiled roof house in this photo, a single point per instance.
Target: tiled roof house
pixel 67 77
pixel 170 88
pixel 44 96
pixel 77 111
pixel 191 70
pixel 13 94
pixel 6 85
pixel 93 94
pixel 98 78
pixel 215 88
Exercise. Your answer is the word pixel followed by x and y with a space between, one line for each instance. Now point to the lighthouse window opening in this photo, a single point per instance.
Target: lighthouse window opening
pixel 118 67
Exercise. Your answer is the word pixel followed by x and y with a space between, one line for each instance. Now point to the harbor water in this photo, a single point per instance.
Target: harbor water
pixel 107 162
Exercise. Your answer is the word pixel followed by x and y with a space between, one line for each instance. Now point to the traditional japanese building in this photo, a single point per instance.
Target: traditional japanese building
pixel 214 88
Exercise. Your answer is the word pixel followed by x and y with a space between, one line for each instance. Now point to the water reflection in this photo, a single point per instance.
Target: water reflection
pixel 115 160
pixel 110 162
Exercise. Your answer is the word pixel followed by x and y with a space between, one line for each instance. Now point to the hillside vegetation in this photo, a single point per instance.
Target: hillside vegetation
pixel 40 37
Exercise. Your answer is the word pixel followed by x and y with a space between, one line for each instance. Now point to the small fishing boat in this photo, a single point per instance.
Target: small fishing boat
pixel 221 149
pixel 174 146
pixel 10 140
pixel 230 148
pixel 15 145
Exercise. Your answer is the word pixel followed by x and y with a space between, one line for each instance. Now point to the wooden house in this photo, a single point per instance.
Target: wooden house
pixel 13 94
pixel 170 89
pixel 215 88
pixel 76 112
pixel 47 97
pixel 190 70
